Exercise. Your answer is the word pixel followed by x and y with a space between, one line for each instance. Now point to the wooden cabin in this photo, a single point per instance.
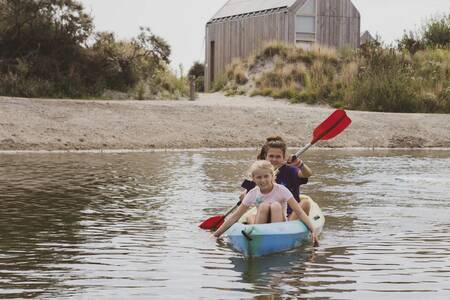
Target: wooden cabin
pixel 366 37
pixel 242 26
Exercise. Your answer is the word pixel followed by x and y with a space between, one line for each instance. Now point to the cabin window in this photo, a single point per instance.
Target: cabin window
pixel 305 24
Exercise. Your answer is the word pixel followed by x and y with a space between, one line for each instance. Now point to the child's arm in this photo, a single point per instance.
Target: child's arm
pixel 304 218
pixel 242 195
pixel 242 209
pixel 304 170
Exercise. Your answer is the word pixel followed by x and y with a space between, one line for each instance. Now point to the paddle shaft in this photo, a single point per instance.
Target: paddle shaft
pixel 303 150
pixel 231 210
pixel 214 226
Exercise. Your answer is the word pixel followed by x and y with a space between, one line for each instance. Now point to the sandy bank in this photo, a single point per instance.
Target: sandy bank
pixel 211 121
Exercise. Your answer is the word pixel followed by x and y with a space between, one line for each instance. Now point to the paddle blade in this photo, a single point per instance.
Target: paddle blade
pixel 332 126
pixel 212 223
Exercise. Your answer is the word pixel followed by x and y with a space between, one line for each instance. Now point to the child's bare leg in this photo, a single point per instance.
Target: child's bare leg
pixel 251 219
pixel 276 213
pixel 262 216
pixel 306 205
pixel 293 216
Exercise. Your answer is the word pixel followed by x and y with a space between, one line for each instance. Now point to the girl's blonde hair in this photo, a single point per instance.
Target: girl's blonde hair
pixel 261 165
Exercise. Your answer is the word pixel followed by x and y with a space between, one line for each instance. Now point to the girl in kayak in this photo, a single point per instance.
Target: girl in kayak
pixel 290 175
pixel 271 200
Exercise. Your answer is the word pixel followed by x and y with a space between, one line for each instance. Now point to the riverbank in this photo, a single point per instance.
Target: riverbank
pixel 212 121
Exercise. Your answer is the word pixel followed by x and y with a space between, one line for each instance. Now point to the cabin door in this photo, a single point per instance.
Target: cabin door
pixel 212 59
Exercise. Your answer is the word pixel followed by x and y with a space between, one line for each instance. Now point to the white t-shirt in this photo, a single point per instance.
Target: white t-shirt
pixel 279 194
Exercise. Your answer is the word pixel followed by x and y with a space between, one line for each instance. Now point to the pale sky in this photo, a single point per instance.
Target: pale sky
pixel 182 22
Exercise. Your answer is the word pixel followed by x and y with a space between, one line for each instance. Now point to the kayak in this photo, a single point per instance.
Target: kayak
pixel 264 239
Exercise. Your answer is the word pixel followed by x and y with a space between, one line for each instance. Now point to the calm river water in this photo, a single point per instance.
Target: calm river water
pixel 124 226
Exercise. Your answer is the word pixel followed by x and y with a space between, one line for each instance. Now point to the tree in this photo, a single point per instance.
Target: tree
pixel 198 71
pixel 128 62
pixel 44 51
pixel 44 27
pixel 437 32
pixel 42 45
pixel 411 43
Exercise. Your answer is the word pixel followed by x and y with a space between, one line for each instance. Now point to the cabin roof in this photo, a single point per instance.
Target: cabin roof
pixel 239 7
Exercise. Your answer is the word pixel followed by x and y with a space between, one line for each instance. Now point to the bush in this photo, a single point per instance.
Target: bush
pixel 433 65
pixel 410 43
pixel 430 103
pixel 236 72
pixel 13 84
pixel 444 99
pixel 219 83
pixel 437 32
pixel 200 84
pixel 198 72
pixel 165 85
pixel 389 91
pixel 50 56
pixel 271 50
pixel 434 34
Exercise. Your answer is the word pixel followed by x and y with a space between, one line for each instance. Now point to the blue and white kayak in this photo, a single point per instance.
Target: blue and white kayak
pixel 264 239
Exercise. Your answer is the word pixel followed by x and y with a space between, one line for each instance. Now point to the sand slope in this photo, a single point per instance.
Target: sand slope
pixel 211 121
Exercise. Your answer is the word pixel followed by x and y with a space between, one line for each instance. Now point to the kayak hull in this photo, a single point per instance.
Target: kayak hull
pixel 264 239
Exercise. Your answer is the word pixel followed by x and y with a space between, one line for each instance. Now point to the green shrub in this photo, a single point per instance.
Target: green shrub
pixel 434 34
pixel 305 97
pixel 433 66
pixel 13 84
pixel 287 92
pixel 200 84
pixel 219 83
pixel 51 57
pixel 388 91
pixel 437 31
pixel 271 50
pixel 411 43
pixel 270 79
pixel 430 103
pixel 198 72
pixel 236 72
pixel 444 99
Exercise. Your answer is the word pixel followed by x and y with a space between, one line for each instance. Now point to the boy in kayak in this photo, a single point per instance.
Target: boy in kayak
pixel 271 200
pixel 291 176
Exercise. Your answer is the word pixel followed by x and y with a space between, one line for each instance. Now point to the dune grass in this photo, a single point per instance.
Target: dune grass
pixel 373 78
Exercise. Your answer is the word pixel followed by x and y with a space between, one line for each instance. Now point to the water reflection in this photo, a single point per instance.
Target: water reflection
pixel 114 226
pixel 57 212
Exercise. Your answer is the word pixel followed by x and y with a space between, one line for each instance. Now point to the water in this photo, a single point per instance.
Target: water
pixel 124 226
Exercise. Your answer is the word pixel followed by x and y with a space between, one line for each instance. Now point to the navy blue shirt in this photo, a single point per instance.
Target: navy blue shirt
pixel 287 176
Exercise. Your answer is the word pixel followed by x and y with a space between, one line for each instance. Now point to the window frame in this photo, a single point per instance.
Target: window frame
pixel 301 36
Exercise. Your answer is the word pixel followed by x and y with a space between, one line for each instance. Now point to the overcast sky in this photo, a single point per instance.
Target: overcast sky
pixel 182 22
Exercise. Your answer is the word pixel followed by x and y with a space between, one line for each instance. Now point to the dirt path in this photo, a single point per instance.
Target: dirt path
pixel 211 121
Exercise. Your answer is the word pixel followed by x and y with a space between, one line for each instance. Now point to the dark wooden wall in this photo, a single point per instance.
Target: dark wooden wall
pixel 338 23
pixel 240 37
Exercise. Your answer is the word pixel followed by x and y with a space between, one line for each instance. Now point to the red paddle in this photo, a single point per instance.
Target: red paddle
pixel 215 222
pixel 331 127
